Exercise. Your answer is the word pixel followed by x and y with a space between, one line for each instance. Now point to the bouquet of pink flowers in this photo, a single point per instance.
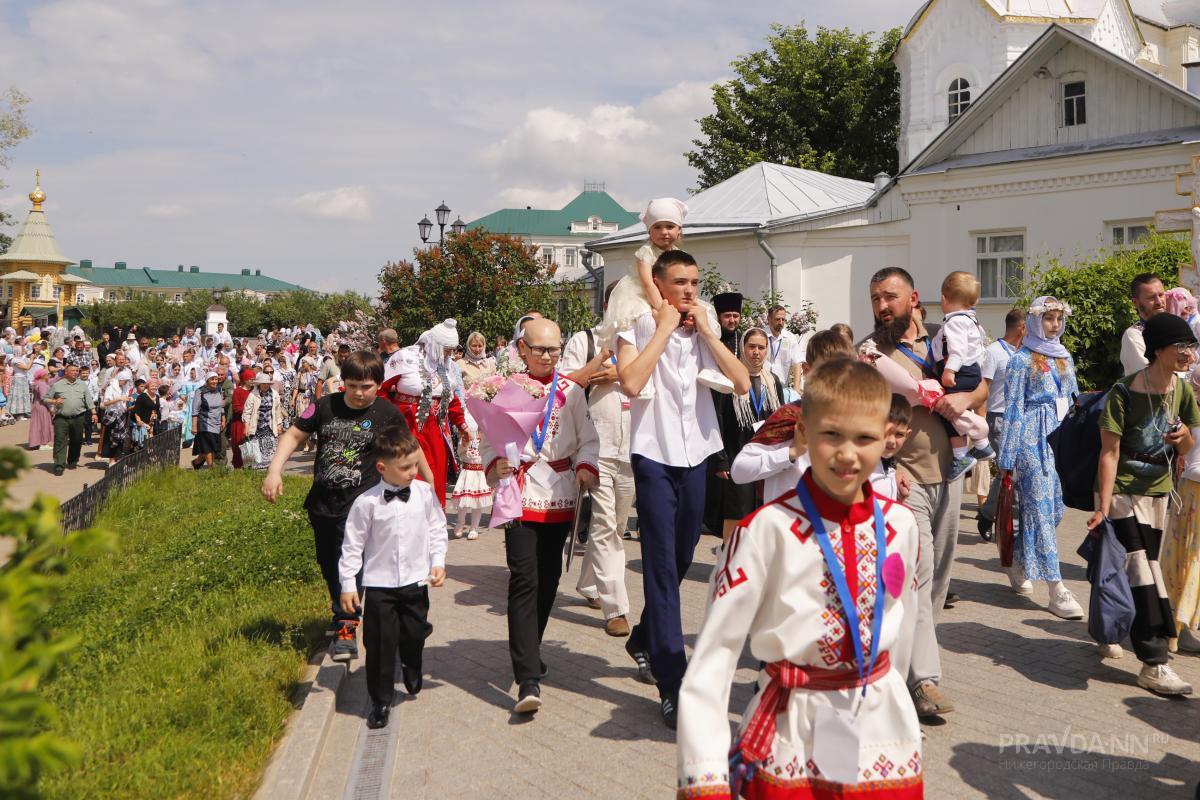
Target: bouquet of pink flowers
pixel 507 410
pixel 919 393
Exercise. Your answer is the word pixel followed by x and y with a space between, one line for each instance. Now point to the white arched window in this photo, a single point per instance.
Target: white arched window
pixel 960 97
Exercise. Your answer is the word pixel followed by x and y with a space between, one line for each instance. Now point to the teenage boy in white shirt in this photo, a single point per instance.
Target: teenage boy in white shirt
pixel 396 534
pixel 673 434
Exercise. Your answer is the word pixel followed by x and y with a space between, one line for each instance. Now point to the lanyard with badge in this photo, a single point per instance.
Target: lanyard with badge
pixel 1061 404
pixel 624 397
pixel 541 431
pixel 776 346
pixel 836 745
pixel 926 364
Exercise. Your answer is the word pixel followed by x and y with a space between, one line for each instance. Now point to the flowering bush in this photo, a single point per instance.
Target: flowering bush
pixel 360 333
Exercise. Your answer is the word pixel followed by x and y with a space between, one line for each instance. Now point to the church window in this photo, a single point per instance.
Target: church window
pixel 35 292
pixel 1074 104
pixel 1129 235
pixel 569 257
pixel 960 97
pixel 1000 265
pixel 547 255
pixel 57 292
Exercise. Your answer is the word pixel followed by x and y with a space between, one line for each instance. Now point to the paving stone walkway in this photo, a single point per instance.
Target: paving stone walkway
pixel 1039 714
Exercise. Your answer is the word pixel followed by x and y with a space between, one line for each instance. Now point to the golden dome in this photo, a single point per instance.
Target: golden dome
pixel 37 196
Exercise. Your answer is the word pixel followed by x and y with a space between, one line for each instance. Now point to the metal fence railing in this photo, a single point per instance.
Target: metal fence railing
pixel 162 450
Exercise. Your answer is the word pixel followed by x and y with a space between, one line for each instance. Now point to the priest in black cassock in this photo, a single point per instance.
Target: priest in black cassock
pixel 728 306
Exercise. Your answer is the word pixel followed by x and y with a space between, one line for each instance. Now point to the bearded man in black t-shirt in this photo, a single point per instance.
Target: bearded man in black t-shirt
pixel 346 424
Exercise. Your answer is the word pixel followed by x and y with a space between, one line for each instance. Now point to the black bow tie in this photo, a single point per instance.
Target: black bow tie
pixel 403 494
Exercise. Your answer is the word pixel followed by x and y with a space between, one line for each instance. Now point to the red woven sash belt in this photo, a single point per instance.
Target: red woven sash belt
pixel 561 465
pixel 760 733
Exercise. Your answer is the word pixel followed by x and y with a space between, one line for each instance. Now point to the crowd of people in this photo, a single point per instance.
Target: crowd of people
pixel 829 471
pixel 832 471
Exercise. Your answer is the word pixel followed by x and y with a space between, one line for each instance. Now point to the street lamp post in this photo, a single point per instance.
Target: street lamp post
pixel 442 212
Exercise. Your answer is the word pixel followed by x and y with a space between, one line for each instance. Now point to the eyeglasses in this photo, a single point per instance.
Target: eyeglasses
pixel 553 352
pixel 1186 347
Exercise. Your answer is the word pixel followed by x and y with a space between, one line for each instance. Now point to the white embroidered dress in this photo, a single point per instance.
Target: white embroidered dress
pixel 772 586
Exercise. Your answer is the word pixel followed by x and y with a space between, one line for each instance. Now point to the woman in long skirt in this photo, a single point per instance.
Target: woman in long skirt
pixel 114 410
pixel 1040 383
pixel 41 421
pixel 263 419
pixel 20 404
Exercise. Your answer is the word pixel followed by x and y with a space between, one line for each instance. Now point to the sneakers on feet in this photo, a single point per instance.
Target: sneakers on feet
pixel 593 602
pixel 1020 584
pixel 668 706
pixel 378 718
pixel 529 698
pixel 930 700
pixel 1161 679
pixel 951 599
pixel 617 626
pixel 1111 651
pixel 984 453
pixel 959 467
pixel 345 647
pixel 472 534
pixel 642 659
pixel 1063 604
pixel 544 672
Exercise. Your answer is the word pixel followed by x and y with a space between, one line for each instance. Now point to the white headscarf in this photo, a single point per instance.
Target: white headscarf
pixel 664 208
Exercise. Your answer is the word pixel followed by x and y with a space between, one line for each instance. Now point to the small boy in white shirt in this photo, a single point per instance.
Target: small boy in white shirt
pixel 957 348
pixel 395 533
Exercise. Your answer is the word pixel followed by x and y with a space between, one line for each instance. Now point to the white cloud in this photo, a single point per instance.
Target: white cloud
pixel 521 196
pixel 641 145
pixel 346 202
pixel 168 211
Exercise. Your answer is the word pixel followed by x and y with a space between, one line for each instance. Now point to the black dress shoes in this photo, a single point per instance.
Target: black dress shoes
pixel 412 679
pixel 378 718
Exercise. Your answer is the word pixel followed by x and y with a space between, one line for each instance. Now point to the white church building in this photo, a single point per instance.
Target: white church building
pixel 1030 129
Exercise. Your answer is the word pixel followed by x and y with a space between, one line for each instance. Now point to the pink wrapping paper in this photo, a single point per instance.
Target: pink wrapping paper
pixel 507 421
pixel 926 393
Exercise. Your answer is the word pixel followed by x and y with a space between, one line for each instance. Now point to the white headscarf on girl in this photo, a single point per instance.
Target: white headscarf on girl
pixel 1035 338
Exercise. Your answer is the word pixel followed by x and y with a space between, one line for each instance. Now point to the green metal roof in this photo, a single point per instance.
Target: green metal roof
pixel 544 222
pixel 160 279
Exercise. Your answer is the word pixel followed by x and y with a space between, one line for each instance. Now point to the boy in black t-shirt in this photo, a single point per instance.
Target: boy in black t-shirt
pixel 345 424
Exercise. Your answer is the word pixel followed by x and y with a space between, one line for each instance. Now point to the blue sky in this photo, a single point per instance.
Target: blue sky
pixel 306 139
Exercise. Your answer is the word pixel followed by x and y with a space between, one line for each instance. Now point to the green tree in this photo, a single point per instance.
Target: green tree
pixel 829 103
pixel 13 129
pixel 485 281
pixel 1098 292
pixel 29 650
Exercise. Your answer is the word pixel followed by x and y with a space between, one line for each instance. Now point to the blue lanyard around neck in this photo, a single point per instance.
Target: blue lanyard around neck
pixel 758 399
pixel 1008 348
pixel 926 364
pixel 843 589
pixel 539 436
pixel 776 346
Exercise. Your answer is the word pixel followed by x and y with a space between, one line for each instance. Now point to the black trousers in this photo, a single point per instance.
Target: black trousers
pixel 535 552
pixel 328 533
pixel 68 439
pixel 394 620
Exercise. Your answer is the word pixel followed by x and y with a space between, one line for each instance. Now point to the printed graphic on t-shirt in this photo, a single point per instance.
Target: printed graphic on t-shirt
pixel 343 443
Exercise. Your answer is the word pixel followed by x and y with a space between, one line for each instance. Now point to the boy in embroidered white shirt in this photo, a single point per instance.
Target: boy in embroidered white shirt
pixel 395 533
pixel 822 582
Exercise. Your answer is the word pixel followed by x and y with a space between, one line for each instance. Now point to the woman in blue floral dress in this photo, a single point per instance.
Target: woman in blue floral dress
pixel 1039 386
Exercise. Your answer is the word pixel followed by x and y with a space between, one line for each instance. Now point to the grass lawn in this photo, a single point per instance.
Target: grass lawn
pixel 194 635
